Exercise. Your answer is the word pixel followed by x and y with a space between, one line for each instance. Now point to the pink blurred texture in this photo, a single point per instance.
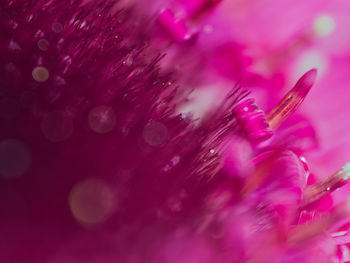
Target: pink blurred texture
pixel 122 139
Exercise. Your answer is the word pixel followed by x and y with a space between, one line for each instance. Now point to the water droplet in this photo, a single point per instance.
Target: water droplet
pixel 57 126
pixel 324 25
pixel 102 119
pixel 43 44
pixel 40 74
pixel 57 27
pixel 92 201
pixel 15 158
pixel 155 133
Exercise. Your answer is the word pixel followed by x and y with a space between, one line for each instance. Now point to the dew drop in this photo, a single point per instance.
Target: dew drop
pixel 324 25
pixel 40 74
pixel 92 201
pixel 155 133
pixel 57 27
pixel 43 44
pixel 102 119
pixel 57 126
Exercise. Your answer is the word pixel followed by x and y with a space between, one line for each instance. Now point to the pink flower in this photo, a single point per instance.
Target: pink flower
pixel 122 138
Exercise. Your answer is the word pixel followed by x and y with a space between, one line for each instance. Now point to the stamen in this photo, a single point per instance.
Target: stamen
pixel 292 100
pixel 252 120
pixel 328 185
